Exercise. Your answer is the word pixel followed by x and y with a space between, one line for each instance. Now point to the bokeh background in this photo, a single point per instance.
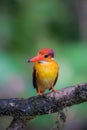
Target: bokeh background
pixel 29 25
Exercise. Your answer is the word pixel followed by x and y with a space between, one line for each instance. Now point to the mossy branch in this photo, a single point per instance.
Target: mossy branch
pixel 26 109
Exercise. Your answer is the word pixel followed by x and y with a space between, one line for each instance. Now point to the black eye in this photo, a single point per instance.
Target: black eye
pixel 46 56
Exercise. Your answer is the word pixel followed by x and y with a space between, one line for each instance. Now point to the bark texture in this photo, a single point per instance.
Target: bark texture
pixel 26 109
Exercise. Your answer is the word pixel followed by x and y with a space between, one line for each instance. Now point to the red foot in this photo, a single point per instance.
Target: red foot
pixel 53 90
pixel 39 93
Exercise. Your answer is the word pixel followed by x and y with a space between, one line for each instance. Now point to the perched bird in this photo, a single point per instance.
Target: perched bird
pixel 45 71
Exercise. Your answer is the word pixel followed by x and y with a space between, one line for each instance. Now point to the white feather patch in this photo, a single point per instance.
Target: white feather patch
pixel 43 62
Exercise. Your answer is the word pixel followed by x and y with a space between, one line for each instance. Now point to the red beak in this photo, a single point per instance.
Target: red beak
pixel 36 58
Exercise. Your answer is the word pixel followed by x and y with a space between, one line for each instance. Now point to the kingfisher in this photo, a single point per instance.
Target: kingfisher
pixel 45 71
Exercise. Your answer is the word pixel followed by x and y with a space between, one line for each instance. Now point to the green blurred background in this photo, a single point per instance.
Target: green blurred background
pixel 29 25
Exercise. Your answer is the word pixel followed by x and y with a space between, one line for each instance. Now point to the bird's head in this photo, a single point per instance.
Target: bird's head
pixel 45 54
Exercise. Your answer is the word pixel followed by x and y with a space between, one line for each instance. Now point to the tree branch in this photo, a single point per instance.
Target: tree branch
pixel 17 124
pixel 26 109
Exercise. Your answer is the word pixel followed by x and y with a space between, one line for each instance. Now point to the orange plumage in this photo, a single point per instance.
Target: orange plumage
pixel 45 71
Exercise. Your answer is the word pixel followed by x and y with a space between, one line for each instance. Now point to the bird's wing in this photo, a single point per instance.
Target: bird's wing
pixel 34 78
pixel 55 80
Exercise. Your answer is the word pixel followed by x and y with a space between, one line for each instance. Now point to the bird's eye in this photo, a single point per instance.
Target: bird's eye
pixel 46 56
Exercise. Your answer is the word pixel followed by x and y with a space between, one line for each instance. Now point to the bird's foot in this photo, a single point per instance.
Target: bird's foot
pixel 39 92
pixel 53 90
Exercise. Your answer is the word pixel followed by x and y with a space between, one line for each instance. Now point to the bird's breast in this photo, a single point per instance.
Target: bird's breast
pixel 46 73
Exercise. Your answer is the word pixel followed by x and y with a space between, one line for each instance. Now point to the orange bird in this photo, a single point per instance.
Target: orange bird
pixel 45 71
